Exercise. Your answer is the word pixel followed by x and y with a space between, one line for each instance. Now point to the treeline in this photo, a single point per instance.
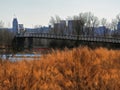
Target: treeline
pixel 6 38
pixel 83 24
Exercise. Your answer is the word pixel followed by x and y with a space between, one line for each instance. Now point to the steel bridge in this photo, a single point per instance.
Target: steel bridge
pixel 107 39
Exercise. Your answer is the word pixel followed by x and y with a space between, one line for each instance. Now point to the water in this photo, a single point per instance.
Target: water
pixel 18 57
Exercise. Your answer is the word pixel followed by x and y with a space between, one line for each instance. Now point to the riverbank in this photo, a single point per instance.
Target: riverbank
pixel 24 55
pixel 77 69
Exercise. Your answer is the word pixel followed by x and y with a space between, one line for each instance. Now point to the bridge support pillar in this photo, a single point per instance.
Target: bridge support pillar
pixel 18 44
pixel 30 43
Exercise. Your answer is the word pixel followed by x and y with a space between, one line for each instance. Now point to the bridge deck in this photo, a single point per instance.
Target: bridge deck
pixel 69 37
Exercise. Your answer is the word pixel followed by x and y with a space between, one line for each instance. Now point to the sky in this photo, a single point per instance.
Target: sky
pixel 39 12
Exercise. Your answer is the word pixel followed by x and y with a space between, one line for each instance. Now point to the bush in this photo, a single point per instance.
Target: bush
pixel 77 69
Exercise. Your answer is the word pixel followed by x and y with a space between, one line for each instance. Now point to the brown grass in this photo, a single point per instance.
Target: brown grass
pixel 77 69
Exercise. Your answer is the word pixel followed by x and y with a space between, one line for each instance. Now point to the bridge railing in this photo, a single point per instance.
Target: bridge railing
pixel 71 37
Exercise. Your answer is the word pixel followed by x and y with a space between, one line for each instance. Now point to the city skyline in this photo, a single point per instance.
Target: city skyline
pixel 39 12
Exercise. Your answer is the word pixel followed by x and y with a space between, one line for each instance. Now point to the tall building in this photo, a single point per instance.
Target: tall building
pixel 70 26
pixel 118 26
pixel 15 26
pixel 20 28
pixel 60 28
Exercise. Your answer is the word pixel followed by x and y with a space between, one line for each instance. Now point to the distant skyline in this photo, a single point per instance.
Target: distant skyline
pixel 39 12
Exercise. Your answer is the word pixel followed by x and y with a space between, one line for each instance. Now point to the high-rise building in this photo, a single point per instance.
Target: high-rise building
pixel 70 26
pixel 15 26
pixel 118 26
pixel 20 28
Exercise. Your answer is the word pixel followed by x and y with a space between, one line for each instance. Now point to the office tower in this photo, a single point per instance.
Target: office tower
pixel 15 26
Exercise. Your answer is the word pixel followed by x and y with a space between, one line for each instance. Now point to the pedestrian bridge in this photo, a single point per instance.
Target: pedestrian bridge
pixel 107 39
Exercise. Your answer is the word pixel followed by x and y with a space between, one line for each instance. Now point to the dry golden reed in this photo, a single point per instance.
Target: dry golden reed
pixel 77 69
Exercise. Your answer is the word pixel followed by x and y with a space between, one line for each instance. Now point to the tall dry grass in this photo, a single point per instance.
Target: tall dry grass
pixel 77 69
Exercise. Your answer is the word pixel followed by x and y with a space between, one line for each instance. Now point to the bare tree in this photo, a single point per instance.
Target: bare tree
pixel 118 17
pixel 79 24
pixel 52 21
pixel 90 23
pixel 1 24
pixel 114 24
pixel 58 19
pixel 103 22
pixel 94 24
pixel 55 24
pixel 1 33
pixel 6 38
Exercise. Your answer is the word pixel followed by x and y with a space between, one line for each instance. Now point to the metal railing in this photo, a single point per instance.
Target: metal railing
pixel 70 37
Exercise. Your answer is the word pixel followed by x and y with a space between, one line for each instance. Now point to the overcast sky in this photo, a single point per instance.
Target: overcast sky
pixel 38 12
